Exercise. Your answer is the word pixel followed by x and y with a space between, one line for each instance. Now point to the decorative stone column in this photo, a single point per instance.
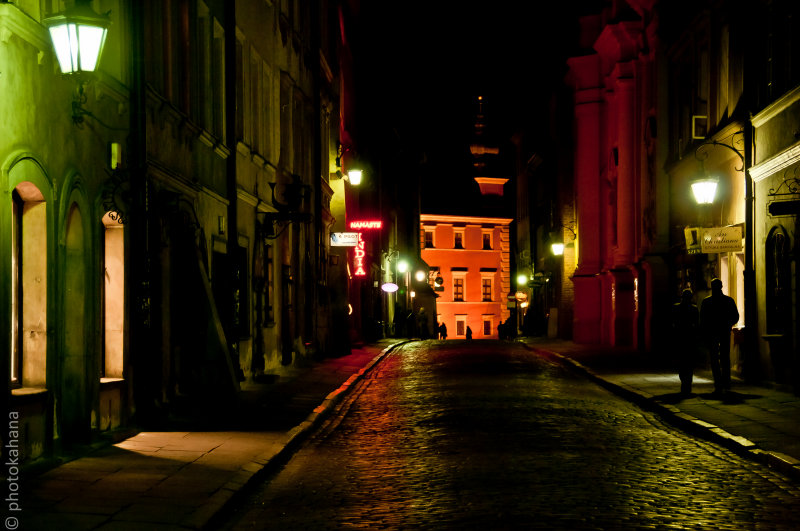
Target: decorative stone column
pixel 585 72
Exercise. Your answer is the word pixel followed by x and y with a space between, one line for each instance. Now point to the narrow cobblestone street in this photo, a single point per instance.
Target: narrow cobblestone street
pixel 489 435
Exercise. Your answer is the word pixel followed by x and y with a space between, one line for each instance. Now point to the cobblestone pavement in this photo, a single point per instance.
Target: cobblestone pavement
pixel 488 435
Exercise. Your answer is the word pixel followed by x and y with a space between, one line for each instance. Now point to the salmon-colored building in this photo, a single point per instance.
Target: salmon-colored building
pixel 468 247
pixel 470 271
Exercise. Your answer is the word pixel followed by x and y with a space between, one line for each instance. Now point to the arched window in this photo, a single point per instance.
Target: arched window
pixel 113 296
pixel 778 281
pixel 28 287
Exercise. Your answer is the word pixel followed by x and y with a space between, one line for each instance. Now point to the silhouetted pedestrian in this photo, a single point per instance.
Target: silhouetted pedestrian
pixel 443 331
pixel 469 333
pixel 718 314
pixel 411 324
pixel 422 323
pixel 685 323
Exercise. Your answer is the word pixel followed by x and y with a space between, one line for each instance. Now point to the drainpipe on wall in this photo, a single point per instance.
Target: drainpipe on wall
pixel 751 370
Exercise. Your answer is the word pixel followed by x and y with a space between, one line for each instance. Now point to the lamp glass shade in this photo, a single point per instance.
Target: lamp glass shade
pixel 402 266
pixel 557 248
pixel 420 276
pixel 522 279
pixel 704 191
pixel 78 37
pixel 355 177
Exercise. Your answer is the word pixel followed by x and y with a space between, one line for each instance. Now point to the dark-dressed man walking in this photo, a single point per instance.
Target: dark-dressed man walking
pixel 685 322
pixel 718 314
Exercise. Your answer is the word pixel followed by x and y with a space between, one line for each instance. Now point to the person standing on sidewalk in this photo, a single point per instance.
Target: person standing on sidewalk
pixel 685 323
pixel 718 314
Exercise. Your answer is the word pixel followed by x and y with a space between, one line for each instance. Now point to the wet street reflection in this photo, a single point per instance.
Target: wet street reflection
pixel 489 435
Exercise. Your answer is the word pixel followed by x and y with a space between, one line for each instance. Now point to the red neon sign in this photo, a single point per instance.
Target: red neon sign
pixel 366 224
pixel 358 262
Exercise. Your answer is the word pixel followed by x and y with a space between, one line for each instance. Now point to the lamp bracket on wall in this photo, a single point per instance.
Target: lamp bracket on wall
pixel 734 142
pixel 288 210
pixel 79 112
pixel 790 184
pixel 574 234
pixel 293 194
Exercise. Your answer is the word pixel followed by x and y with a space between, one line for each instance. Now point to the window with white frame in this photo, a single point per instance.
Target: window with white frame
pixel 459 287
pixel 487 240
pixel 428 238
pixel 458 239
pixel 487 288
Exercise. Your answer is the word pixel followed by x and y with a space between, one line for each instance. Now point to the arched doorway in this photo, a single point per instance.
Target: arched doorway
pixel 75 403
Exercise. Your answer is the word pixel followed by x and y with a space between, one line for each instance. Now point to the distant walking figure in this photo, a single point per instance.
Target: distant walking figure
pixel 422 323
pixel 469 333
pixel 685 322
pixel 718 314
pixel 443 331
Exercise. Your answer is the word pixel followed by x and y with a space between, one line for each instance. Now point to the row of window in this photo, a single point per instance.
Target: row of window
pixel 29 329
pixel 458 240
pixel 459 282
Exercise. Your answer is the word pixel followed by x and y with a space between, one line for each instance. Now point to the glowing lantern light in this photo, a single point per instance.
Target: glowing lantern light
pixel 704 191
pixel 355 177
pixel 78 36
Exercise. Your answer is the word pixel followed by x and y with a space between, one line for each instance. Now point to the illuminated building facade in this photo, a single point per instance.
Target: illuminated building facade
pixel 619 184
pixel 467 247
pixel 469 271
pixel 168 244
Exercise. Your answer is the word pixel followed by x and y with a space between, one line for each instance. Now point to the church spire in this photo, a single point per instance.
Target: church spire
pixel 486 161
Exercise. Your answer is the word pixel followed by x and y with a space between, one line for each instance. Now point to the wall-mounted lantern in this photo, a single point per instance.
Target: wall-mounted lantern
pixel 78 36
pixel 557 245
pixel 354 176
pixel 704 190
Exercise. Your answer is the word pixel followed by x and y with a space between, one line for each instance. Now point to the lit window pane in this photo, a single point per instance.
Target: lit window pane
pixel 60 38
pixel 91 42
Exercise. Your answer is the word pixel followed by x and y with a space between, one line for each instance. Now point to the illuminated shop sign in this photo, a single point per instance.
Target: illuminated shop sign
pixel 366 224
pixel 344 239
pixel 722 240
pixel 358 258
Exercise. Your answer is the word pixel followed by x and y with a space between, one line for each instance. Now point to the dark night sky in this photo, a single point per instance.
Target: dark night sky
pixel 427 61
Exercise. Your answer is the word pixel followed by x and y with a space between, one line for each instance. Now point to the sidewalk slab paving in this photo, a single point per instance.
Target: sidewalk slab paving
pixel 759 422
pixel 170 480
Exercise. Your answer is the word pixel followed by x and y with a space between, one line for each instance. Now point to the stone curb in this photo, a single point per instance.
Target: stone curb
pixel 785 464
pixel 251 472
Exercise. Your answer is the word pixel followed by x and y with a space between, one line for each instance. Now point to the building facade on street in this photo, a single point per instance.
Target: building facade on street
pixel 666 98
pixel 619 182
pixel 167 218
pixel 468 249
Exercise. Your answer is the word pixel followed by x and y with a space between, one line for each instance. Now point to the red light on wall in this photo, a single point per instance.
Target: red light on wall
pixel 366 224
